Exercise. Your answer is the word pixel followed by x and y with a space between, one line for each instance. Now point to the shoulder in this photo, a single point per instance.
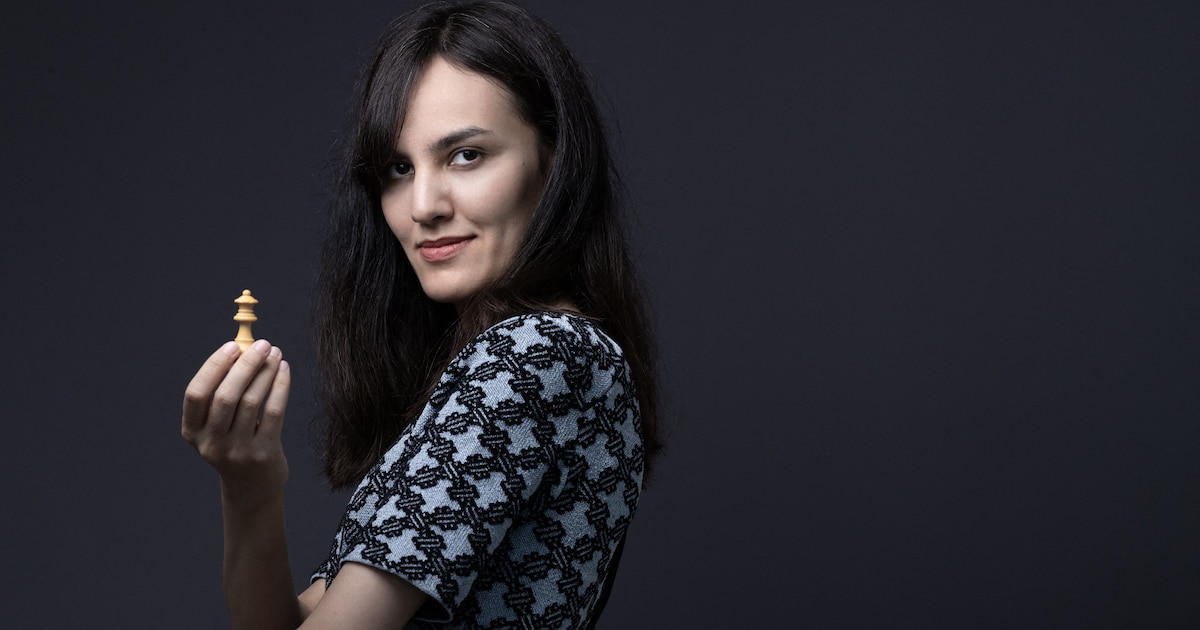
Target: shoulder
pixel 534 356
pixel 541 338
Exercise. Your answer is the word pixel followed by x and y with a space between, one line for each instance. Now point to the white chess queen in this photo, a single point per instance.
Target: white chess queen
pixel 486 367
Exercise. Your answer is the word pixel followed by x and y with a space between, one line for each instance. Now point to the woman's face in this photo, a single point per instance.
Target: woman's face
pixel 464 182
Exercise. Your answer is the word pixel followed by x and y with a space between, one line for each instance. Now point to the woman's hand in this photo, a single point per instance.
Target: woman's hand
pixel 233 416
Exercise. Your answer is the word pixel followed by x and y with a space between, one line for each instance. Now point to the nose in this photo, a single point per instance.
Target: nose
pixel 430 197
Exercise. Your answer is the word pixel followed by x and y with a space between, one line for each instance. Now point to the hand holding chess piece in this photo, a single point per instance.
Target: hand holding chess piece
pixel 233 414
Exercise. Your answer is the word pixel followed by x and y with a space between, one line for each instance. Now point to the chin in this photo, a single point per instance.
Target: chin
pixel 447 293
pixel 443 296
pixel 450 286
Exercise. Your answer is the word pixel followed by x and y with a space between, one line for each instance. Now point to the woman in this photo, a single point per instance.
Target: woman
pixel 486 365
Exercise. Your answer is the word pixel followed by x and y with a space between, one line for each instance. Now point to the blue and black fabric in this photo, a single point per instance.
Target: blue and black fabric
pixel 507 498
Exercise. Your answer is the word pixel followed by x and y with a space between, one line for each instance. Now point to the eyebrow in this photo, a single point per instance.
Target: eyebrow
pixel 454 138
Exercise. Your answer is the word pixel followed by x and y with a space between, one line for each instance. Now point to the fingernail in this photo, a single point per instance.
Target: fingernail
pixel 262 345
pixel 275 352
pixel 230 348
pixel 283 366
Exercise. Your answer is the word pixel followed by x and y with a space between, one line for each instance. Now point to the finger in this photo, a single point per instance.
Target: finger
pixel 272 419
pixel 228 396
pixel 245 418
pixel 199 392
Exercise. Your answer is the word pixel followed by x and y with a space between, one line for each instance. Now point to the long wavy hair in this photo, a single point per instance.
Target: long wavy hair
pixel 382 342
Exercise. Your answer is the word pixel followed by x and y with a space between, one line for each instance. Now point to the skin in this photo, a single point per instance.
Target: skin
pixel 467 169
pixel 467 166
pixel 221 411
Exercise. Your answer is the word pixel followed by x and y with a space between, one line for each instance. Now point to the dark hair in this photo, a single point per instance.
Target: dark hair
pixel 382 342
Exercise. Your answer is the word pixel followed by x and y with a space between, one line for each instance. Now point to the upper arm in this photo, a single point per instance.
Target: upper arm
pixel 466 470
pixel 363 597
pixel 310 598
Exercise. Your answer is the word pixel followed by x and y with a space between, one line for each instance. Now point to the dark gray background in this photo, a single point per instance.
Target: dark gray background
pixel 925 277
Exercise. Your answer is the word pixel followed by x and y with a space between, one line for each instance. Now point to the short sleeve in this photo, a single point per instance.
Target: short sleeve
pixel 478 459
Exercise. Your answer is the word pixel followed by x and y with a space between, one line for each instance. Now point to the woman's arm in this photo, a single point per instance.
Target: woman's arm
pixel 362 597
pixel 221 419
pixel 257 574
pixel 311 597
pixel 233 415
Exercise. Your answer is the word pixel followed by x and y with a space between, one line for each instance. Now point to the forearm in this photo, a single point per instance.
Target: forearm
pixel 257 574
pixel 233 415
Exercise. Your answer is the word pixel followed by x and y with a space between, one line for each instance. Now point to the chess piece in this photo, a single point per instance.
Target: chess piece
pixel 245 316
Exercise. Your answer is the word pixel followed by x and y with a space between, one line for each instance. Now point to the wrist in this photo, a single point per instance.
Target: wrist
pixel 250 502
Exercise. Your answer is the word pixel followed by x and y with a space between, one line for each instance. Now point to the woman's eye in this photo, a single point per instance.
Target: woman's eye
pixel 466 156
pixel 396 170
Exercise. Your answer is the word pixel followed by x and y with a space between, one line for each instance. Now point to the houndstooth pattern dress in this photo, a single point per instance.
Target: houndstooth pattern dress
pixel 506 498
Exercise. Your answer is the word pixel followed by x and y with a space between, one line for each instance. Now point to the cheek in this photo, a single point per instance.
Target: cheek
pixel 396 218
pixel 522 196
pixel 499 201
pixel 534 184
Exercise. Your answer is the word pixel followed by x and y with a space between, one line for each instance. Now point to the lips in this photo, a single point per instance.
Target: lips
pixel 443 248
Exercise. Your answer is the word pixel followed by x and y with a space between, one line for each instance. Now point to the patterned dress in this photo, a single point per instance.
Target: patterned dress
pixel 506 498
